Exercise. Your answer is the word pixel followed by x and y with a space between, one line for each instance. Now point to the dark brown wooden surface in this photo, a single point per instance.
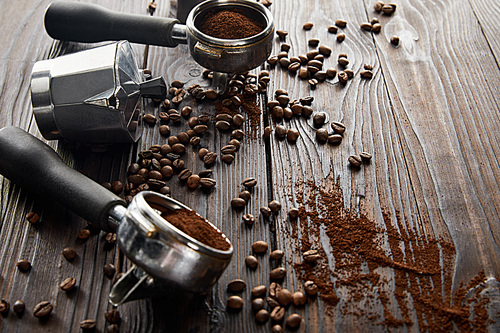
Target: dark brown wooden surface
pixel 430 117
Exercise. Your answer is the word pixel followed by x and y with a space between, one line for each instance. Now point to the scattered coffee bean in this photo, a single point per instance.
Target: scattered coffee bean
pixel 23 265
pixel 69 253
pixel 238 203
pixel 395 40
pixel 298 298
pixel 378 6
pixel 343 62
pixel 319 119
pixel 292 135
pixel 83 234
pixel 202 152
pixel 325 50
pixel 303 73
pixel 235 303
pixel 200 129
pixel 313 42
pixel 248 219
pixel 282 33
pixel 310 288
pixel 340 37
pixel 273 289
pixel 259 291
pixel 112 316
pixel 272 61
pixel 366 74
pixel 249 182
pixel 184 175
pixel 388 9
pixel 278 273
pixel 308 26
pixel 186 111
pixel 68 284
pixel 109 270
pixel 195 141
pixel 236 286
pixel 227 158
pixel 209 158
pixel 32 217
pixel 237 134
pixel 367 26
pixel 366 157
pixel 19 307
pixel 276 255
pixel 331 73
pixel 260 247
pixel 293 213
pixel 183 138
pixel 280 132
pixel 293 321
pixel 149 119
pixel 334 138
pixel 275 206
pixel 277 314
pixel 332 29
pixel 251 262
pixel 265 211
pixel 349 72
pixel 193 181
pixel 277 329
pixel 311 256
pixel 205 173
pixel 355 161
pixel 42 309
pixel 272 302
pixel 177 84
pixel 207 183
pixel 4 307
pixel 341 23
pixel 235 143
pixel 164 117
pixel 284 297
pixel 262 316
pixel 257 304
pixel 307 111
pixel 285 47
pixel 376 28
pixel 88 324
pixel 245 195
pixel 321 135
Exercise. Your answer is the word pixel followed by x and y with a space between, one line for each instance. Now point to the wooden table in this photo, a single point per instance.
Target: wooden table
pixel 429 116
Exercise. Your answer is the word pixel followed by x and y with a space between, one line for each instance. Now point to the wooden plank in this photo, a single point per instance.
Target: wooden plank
pixel 485 12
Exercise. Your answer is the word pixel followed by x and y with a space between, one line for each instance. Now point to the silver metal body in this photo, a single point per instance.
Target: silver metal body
pixel 89 96
pixel 162 253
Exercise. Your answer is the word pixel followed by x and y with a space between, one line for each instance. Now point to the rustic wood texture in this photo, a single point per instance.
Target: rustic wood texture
pixel 429 116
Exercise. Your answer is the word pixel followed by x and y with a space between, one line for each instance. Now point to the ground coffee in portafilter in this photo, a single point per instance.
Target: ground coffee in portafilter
pixel 229 24
pixel 191 223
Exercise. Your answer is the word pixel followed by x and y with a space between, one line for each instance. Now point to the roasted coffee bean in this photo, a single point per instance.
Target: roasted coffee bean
pixel 228 149
pixel 315 63
pixel 165 103
pixel 88 324
pixel 149 119
pixel 282 54
pixel 191 133
pixel 200 129
pixel 193 181
pixel 193 121
pixel 293 321
pixel 325 50
pixel 320 76
pixel 195 141
pixel 277 113
pixel 265 211
pixel 272 104
pixel 167 172
pixel 284 62
pixel 227 158
pixel 310 288
pixel 257 304
pixel 183 138
pixel 32 217
pixel 23 265
pixel 293 67
pixel 282 33
pixel 278 273
pixel 280 132
pixel 341 23
pixel 272 61
pixel 165 149
pixel 388 9
pixel 224 117
pixel 331 73
pixel 112 316
pixel 275 206
pixel 260 247
pixel 109 270
pixel 154 174
pixel 165 190
pixel 287 113
pixel 307 111
pixel 303 59
pixel 338 127
pixel 175 116
pixel 207 183
pixel 19 307
pixel 267 132
pixel 308 26
pixel 237 134
pixel 276 255
pixel 110 238
pixel 235 303
pixel 186 111
pixel 202 152
pixel 155 164
pixel 366 74
pixel 236 102
pixel 334 138
pixel 245 195
pixel 249 182
pixel 283 100
pixel 277 314
pixel 350 73
pixel 321 135
pixel 319 119
pixel 277 329
pixel 298 298
pixel 367 26
pixel 172 140
pixel 178 148
pixel 295 59
pixel 355 161
pixel 248 219
pixel 273 289
pixel 293 213
pixel 238 203
pixel 366 157
pixel 251 262
pixel 68 284
pixel 259 291
pixel 313 42
pixel 236 286
pixel 262 316
pixel 292 135
pixel 177 84
pixel 285 47
pixel 211 94
pixel 210 158
pixel 184 175
pixel 272 302
pixel 311 256
pixel 297 109
pixel 340 37
pixel 69 253
pixel 238 120
pixel 164 117
pixel 343 78
pixel 376 27
pixel 42 309
pixel 133 168
pixel 205 173
pixel 395 40
pixel 284 297
pixel 303 73
pixel 332 29
pixel 4 307
pixel 83 234
pixel 343 62
pixel 378 6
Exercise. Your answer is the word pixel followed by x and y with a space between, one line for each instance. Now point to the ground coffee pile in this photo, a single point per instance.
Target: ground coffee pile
pixel 366 253
pixel 194 225
pixel 227 24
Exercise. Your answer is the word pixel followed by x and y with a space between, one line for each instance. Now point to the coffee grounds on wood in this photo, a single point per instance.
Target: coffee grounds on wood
pixel 422 266
pixel 191 223
pixel 249 106
pixel 227 24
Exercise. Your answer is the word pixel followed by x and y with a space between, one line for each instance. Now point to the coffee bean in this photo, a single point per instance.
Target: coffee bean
pixel 149 119
pixel 276 255
pixel 319 119
pixel 109 270
pixel 193 181
pixel 177 84
pixel 277 314
pixel 313 42
pixel 282 54
pixel 366 74
pixel 210 158
pixel 285 47
pixel 236 286
pixel 293 213
pixel 280 132
pixel 265 211
pixel 272 302
pixel 378 6
pixel 112 316
pixel 183 138
pixel 257 304
pixel 175 116
pixel 332 29
pixel 227 158
pixel 259 291
pixel 235 143
pixel 165 190
pixel 251 262
pixel 367 26
pixel 303 73
pixel 262 316
pixel 205 173
pixel 195 141
pixel 237 134
pixel 207 183
pixel 388 9
pixel 366 157
pixel 308 26
pixel 395 40
pixel 184 175
pixel 154 174
pixel 278 113
pixel 343 78
pixel 235 303
pixel 260 247
pixel 249 182
pixel 248 219
pixel 282 33
pixel 164 117
pixel 292 135
pixel 298 298
pixel 83 234
pixel 277 273
pixel 186 111
pixel 238 203
pixel 267 132
pixel 310 288
pixel 277 329
pixel 325 50
pixel 334 138
pixel 284 297
pixel 311 256
pixel 23 265
pixel 167 172
pixel 287 113
pixel 42 309
pixel 320 76
pixel 341 23
pixel 272 61
pixel 340 37
pixel 355 161
pixel 284 62
pixel 69 253
pixel 223 125
pixel 172 140
pixel 110 238
pixel 68 284
pixel 376 28
pixel 202 152
pixel 293 321
pixel 32 217
pixel 4 307
pixel 343 62
pixel 273 289
pixel 88 324
pixel 307 111
pixel 275 206
pixel 349 72
pixel 19 307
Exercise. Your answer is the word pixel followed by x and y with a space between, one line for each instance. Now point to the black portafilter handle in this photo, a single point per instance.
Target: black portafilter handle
pixel 81 22
pixel 29 162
